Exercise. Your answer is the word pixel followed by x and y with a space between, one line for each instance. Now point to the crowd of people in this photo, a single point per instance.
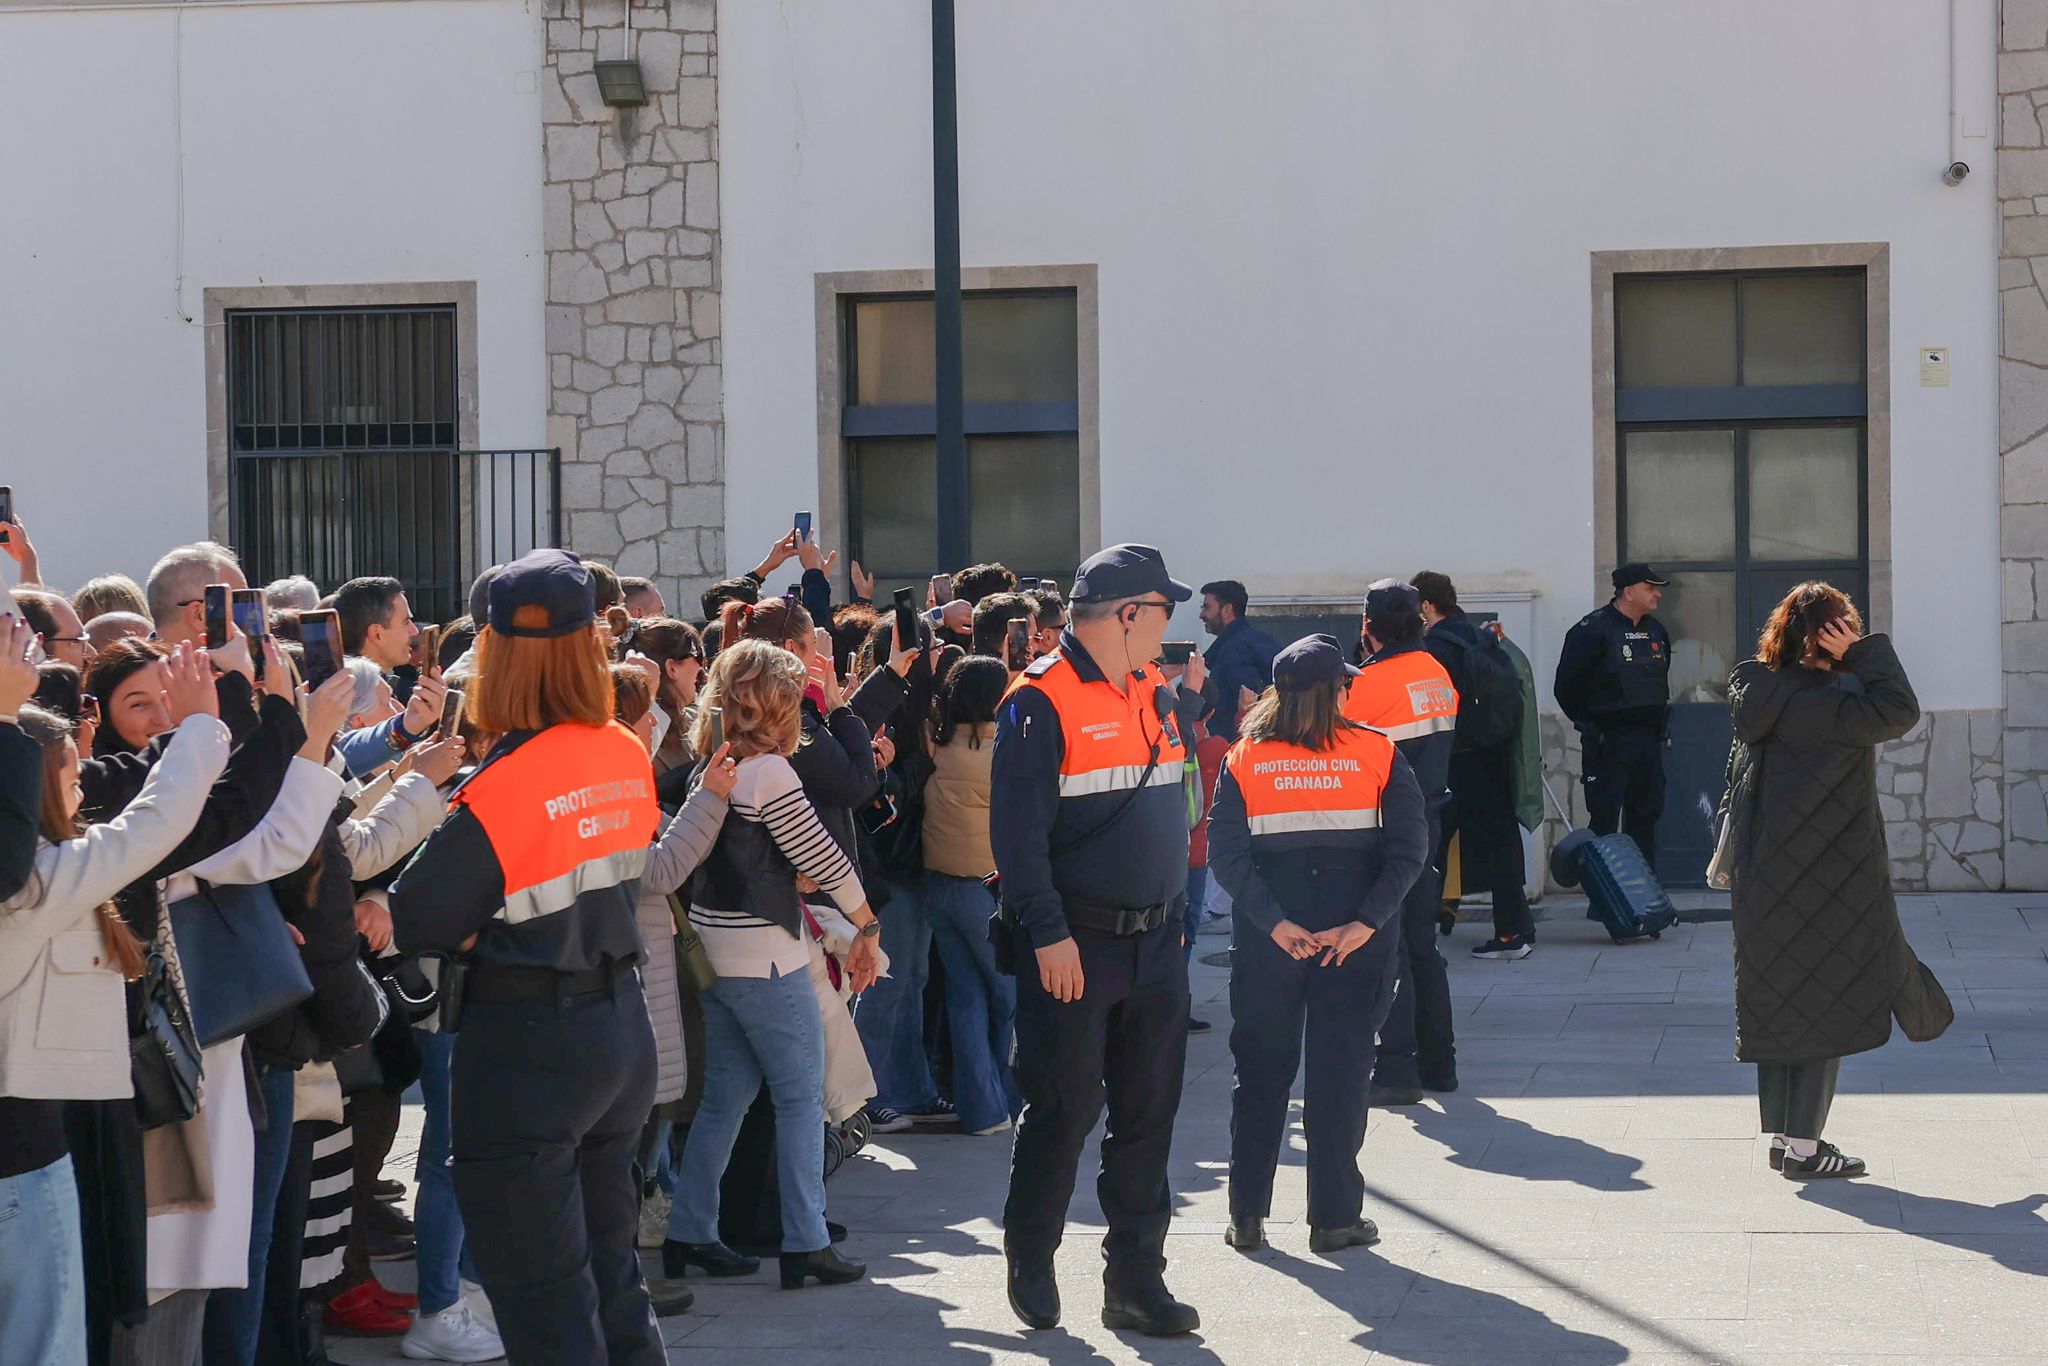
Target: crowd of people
pixel 665 917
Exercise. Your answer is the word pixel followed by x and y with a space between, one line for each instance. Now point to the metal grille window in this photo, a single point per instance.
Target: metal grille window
pixel 344 458
pixel 1023 433
pixel 1741 412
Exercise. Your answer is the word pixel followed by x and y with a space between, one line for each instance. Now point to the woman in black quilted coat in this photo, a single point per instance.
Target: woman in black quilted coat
pixel 1819 956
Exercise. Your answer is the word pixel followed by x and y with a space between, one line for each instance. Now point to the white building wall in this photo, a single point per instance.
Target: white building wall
pixel 320 144
pixel 1345 301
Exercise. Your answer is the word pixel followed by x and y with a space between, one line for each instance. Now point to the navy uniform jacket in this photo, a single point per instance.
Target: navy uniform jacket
pixel 1615 674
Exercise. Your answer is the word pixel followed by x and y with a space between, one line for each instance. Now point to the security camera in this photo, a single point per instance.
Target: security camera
pixel 1955 173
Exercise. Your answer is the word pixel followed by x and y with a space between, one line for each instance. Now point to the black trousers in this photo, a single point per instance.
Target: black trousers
pixel 1274 1000
pixel 1124 1041
pixel 1794 1097
pixel 1416 1042
pixel 1625 786
pixel 547 1102
pixel 1482 807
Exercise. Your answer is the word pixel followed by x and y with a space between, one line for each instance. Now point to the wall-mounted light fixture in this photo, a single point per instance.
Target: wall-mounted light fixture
pixel 620 83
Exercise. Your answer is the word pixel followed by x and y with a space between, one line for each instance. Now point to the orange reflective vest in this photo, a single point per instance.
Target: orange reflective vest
pixel 1292 790
pixel 1107 732
pixel 1408 696
pixel 570 813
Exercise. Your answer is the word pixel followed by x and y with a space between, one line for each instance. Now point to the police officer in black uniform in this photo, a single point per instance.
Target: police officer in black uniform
pixel 1614 682
pixel 1089 824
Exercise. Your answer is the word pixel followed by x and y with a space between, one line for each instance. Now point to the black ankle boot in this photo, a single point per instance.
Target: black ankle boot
pixel 1246 1234
pixel 825 1264
pixel 1364 1233
pixel 714 1259
pixel 1150 1310
pixel 1034 1294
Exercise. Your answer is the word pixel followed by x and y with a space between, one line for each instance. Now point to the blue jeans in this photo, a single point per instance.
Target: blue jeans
pixel 1191 919
pixel 981 1003
pixel 759 1029
pixel 235 1317
pixel 890 1014
pixel 42 1267
pixel 442 1255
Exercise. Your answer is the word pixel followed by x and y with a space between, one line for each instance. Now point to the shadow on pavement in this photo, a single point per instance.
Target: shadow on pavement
pixel 1494 1142
pixel 1952 1223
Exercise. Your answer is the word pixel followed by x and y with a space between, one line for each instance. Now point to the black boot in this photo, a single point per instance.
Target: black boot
pixel 825 1264
pixel 715 1259
pixel 1034 1294
pixel 1150 1310
pixel 1364 1233
pixel 1246 1233
pixel 1385 1097
pixel 669 1297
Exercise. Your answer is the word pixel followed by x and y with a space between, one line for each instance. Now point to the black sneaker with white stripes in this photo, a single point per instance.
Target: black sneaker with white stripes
pixel 1827 1160
pixel 1510 950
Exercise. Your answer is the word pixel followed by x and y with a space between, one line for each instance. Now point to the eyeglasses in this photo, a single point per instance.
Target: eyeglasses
pixel 1165 607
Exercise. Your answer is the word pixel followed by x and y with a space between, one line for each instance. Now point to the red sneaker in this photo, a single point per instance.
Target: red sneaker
pixel 357 1312
pixel 392 1299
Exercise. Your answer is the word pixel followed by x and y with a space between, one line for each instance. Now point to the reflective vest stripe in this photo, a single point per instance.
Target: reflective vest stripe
pixel 560 893
pixel 1119 778
pixel 1290 822
pixel 1415 730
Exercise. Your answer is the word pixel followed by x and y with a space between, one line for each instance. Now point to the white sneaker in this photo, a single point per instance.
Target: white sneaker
pixel 479 1305
pixel 654 1219
pixel 451 1335
pixel 991 1129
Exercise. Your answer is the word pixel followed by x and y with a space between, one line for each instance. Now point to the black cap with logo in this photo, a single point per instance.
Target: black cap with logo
pixel 1631 574
pixel 1126 571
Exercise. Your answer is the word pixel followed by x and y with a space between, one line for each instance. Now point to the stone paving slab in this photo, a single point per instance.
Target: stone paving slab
pixel 1596 1193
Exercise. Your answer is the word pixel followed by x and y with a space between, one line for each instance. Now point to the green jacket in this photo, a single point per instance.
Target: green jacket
pixel 1527 748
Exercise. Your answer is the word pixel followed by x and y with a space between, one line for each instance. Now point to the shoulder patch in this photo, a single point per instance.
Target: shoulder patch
pixel 1038 667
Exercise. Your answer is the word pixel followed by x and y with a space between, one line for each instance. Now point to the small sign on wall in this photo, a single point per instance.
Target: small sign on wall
pixel 1934 367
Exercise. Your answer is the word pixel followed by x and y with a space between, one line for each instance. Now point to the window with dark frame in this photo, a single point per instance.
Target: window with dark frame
pixel 1023 433
pixel 1742 468
pixel 342 447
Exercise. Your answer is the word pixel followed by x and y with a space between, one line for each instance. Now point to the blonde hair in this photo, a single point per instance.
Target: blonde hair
pixel 756 690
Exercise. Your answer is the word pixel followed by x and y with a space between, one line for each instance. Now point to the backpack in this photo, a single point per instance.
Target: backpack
pixel 1490 705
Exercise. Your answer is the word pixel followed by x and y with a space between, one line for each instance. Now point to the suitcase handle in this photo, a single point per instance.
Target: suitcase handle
pixel 1562 814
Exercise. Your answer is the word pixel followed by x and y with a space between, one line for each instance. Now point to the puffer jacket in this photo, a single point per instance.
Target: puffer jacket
pixel 1820 959
pixel 685 842
pixel 956 804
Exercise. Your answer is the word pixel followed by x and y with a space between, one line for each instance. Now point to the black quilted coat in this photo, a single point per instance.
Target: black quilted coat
pixel 1819 956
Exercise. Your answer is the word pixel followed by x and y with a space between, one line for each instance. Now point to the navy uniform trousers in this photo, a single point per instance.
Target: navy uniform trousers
pixel 1416 1042
pixel 547 1102
pixel 1126 1041
pixel 1624 785
pixel 1274 1001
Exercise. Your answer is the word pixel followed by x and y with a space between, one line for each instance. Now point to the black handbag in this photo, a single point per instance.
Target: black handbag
pixel 241 965
pixel 163 1050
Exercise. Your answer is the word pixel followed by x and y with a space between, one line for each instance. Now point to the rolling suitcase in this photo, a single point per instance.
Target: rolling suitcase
pixel 1622 892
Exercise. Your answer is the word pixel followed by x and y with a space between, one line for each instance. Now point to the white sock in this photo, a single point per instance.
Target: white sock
pixel 1802 1148
pixel 1777 1140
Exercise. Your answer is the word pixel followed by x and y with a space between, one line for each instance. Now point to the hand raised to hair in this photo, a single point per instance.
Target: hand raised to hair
pixel 1837 637
pixel 189 685
pixel 18 675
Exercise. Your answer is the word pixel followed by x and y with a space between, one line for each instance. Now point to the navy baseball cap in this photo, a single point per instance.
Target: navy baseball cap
pixel 1392 598
pixel 1630 574
pixel 554 579
pixel 1308 662
pixel 1126 571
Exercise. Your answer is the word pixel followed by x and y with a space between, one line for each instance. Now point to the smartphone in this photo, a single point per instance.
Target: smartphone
pixel 906 620
pixel 6 508
pixel 803 527
pixel 451 714
pixel 942 589
pixel 1175 652
pixel 1017 645
pixel 88 708
pixel 320 635
pixel 252 618
pixel 218 598
pixel 430 647
pixel 717 729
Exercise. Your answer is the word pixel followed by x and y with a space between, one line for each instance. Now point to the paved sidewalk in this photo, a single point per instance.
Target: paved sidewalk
pixel 1595 1194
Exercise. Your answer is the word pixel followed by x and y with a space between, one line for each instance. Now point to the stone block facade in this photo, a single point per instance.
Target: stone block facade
pixel 2023 433
pixel 631 226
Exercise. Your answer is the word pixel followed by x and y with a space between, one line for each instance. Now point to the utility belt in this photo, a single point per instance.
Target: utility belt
pixel 1004 929
pixel 482 984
